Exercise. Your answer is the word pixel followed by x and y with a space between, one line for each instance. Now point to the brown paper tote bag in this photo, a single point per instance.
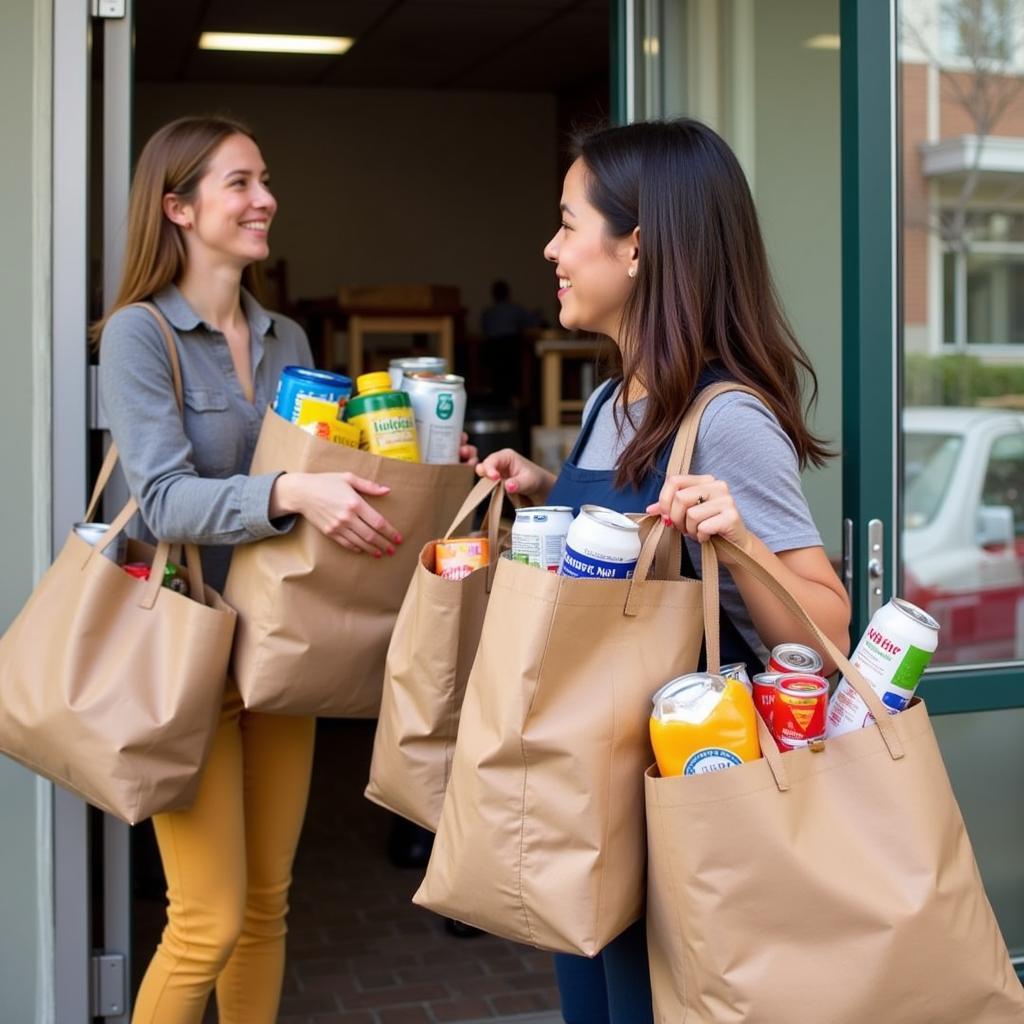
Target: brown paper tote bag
pixel 314 619
pixel 431 652
pixel 541 838
pixel 111 686
pixel 837 886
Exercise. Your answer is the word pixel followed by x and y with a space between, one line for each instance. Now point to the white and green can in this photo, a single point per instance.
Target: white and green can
pixel 439 405
pixel 892 656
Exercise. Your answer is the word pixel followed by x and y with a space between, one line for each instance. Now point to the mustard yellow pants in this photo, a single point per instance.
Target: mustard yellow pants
pixel 228 862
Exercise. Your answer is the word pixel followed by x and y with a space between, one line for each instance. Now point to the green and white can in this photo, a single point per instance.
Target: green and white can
pixel 439 405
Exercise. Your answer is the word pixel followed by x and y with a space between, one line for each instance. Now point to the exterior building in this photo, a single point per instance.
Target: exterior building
pixel 850 129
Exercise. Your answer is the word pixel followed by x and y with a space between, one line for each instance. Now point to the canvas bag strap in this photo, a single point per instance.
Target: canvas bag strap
pixel 481 490
pixel 681 458
pixel 761 572
pixel 192 559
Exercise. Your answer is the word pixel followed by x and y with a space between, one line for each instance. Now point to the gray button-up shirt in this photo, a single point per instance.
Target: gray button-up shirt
pixel 189 473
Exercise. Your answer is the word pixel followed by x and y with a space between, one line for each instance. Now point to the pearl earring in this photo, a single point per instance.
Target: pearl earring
pixel 631 271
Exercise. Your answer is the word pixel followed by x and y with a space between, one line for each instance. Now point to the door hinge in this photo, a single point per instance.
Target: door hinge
pixel 108 985
pixel 847 564
pixel 107 8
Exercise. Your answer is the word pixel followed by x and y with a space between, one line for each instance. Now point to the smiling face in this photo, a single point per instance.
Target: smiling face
pixel 592 267
pixel 229 220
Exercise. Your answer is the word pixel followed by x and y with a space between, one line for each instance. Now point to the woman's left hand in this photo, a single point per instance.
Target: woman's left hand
pixel 468 455
pixel 701 507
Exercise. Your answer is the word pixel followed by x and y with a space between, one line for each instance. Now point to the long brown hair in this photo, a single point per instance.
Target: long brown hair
pixel 173 160
pixel 703 289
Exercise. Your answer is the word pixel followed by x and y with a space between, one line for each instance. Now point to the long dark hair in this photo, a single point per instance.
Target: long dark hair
pixel 703 289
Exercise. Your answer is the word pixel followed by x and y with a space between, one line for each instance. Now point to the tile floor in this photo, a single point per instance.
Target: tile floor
pixel 359 952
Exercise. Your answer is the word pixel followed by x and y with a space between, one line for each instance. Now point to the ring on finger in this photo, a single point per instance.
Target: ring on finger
pixel 701 498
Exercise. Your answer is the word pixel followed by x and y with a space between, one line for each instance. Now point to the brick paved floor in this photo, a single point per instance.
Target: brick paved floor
pixel 359 952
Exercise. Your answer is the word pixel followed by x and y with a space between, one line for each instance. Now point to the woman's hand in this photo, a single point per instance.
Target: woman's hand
pixel 701 507
pixel 468 455
pixel 333 503
pixel 521 476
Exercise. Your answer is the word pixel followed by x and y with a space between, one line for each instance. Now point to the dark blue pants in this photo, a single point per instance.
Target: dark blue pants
pixel 612 988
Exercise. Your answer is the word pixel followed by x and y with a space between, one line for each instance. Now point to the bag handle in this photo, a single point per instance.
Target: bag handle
pixel 886 726
pixel 197 589
pixel 681 458
pixel 481 489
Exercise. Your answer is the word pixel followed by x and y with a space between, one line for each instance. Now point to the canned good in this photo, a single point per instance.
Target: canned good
pixel 384 417
pixel 737 671
pixel 457 557
pixel 601 544
pixel 764 687
pixel 299 382
pixel 798 713
pixel 795 658
pixel 892 656
pixel 398 368
pixel 174 579
pixel 538 535
pixel 703 723
pixel 94 534
pixel 439 407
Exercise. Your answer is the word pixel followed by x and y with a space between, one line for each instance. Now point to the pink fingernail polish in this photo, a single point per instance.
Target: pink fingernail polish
pixel 398 538
pixel 667 521
pixel 376 554
pixel 391 550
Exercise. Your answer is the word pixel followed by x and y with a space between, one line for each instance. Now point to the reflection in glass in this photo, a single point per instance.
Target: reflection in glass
pixel 962 245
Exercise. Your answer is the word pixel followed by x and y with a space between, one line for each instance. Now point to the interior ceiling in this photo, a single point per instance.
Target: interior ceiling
pixel 502 45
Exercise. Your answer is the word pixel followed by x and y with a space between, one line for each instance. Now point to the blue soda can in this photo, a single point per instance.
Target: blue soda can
pixel 297 383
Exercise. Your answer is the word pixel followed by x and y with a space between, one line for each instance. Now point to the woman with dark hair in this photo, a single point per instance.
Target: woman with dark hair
pixel 660 250
pixel 199 218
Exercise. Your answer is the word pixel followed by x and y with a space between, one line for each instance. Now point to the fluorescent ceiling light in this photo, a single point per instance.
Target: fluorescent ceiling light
pixel 823 42
pixel 252 42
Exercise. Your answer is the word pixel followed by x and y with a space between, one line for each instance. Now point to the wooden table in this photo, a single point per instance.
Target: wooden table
pixel 551 352
pixel 365 322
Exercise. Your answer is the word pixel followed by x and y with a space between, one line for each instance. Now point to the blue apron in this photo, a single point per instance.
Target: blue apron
pixel 614 987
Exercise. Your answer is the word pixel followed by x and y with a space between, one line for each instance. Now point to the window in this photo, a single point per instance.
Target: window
pixel 1004 478
pixel 979 30
pixel 928 464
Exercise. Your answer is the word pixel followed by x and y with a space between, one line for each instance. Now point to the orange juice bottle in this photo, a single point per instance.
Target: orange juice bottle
pixel 703 723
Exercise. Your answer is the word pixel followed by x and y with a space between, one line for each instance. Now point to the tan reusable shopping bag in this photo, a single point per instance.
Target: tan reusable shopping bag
pixel 837 886
pixel 541 838
pixel 314 618
pixel 109 685
pixel 428 662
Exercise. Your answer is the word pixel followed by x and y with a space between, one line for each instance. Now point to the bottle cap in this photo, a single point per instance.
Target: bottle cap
pixel 379 381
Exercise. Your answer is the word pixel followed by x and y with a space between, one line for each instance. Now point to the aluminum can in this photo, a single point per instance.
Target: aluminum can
pixel 298 382
pixel 798 713
pixel 601 545
pixel 538 535
pixel 795 658
pixel 398 368
pixel 439 407
pixel 737 671
pixel 94 534
pixel 457 557
pixel 764 689
pixel 892 656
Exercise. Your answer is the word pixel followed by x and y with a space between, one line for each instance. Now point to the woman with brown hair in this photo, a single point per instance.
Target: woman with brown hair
pixel 199 217
pixel 660 250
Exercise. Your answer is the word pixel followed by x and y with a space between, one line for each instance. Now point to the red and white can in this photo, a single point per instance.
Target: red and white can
pixel 798 714
pixel 764 686
pixel 795 658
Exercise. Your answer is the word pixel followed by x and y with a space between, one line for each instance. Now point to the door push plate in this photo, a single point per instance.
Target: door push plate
pixel 108 985
pixel 876 565
pixel 108 8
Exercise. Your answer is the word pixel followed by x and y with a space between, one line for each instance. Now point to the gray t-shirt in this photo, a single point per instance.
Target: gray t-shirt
pixel 190 474
pixel 741 442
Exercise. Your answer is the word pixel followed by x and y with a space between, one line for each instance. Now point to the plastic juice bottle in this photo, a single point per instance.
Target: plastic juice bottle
pixel 384 417
pixel 703 723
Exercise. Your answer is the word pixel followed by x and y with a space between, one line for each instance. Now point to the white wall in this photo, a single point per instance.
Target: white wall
pixel 393 185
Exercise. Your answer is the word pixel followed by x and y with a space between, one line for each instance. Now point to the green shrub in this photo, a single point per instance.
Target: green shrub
pixel 958 380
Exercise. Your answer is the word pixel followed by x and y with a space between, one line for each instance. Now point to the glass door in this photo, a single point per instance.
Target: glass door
pixel 960 174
